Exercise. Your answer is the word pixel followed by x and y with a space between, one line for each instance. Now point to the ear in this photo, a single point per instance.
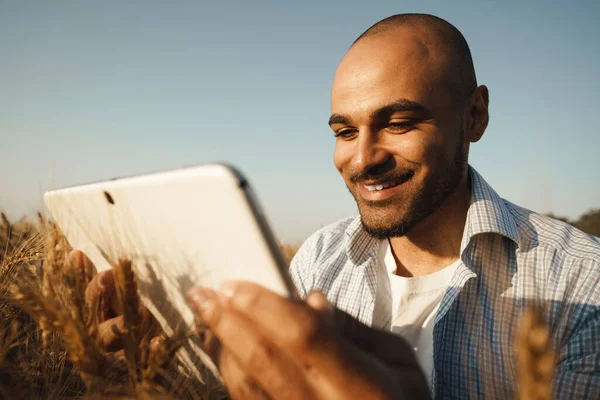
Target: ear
pixel 477 115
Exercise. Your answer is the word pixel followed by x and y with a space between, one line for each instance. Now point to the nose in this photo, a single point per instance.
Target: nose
pixel 369 154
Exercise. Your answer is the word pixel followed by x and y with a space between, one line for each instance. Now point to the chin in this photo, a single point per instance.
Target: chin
pixel 382 225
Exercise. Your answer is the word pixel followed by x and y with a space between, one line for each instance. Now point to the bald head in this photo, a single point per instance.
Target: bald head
pixel 437 35
pixel 404 108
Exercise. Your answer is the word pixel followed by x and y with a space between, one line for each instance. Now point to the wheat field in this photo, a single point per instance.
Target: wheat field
pixel 49 345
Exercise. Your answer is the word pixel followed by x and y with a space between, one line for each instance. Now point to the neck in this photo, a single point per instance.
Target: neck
pixel 434 243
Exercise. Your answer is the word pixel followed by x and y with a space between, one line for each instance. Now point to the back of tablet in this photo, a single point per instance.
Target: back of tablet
pixel 197 225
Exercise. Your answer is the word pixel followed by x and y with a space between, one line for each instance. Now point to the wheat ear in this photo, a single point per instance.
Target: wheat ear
pixel 535 357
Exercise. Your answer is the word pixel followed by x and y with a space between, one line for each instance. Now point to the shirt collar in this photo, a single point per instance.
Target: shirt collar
pixel 487 214
pixel 359 244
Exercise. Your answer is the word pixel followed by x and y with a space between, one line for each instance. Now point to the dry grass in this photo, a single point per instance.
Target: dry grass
pixel 49 345
pixel 288 250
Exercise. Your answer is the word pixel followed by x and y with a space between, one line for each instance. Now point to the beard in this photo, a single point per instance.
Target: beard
pixel 395 217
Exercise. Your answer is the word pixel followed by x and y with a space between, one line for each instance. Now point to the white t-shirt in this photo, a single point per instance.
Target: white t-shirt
pixel 407 306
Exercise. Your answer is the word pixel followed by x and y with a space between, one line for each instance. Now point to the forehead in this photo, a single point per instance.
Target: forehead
pixel 404 64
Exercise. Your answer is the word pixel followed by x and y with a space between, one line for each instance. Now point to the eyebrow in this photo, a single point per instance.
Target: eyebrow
pixel 402 105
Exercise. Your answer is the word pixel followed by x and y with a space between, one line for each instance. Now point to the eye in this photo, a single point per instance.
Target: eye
pixel 345 133
pixel 402 126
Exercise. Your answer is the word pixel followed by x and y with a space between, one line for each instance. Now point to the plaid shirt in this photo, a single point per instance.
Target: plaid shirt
pixel 510 258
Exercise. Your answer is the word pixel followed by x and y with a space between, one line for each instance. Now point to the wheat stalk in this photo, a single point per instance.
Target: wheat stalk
pixel 535 357
pixel 56 351
pixel 84 352
pixel 127 296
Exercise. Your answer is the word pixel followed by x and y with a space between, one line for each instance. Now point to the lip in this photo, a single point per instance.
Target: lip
pixel 380 195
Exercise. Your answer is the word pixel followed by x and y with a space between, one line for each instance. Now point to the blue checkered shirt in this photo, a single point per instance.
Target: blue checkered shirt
pixel 510 258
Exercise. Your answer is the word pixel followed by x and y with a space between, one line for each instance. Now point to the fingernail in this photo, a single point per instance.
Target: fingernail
pixel 228 288
pixel 201 297
pixel 79 258
pixel 104 280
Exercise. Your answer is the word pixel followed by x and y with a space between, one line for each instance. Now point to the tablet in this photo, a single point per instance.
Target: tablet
pixel 192 226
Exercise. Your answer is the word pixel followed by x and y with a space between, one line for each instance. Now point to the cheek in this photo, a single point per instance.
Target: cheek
pixel 341 156
pixel 417 149
pixel 432 147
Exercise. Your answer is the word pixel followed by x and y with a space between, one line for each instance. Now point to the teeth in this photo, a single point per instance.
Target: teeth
pixel 373 188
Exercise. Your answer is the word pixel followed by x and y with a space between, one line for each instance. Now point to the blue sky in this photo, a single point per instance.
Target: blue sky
pixel 95 90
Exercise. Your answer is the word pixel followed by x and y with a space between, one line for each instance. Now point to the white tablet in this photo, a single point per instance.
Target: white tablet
pixel 192 226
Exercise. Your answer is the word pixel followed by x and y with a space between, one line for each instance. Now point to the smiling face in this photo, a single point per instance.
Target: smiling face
pixel 399 127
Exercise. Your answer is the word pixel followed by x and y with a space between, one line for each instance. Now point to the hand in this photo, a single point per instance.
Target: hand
pixel 101 295
pixel 273 347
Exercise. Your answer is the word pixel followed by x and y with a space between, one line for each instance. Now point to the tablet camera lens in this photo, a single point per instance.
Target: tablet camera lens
pixel 109 198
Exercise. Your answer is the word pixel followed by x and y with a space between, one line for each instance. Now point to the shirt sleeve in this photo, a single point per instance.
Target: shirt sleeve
pixel 578 371
pixel 578 376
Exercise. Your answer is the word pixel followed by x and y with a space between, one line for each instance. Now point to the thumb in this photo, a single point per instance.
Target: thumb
pixel 318 302
pixel 386 346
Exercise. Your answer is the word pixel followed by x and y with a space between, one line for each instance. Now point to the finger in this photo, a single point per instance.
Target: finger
pixel 149 324
pixel 258 358
pixel 282 318
pixel 390 351
pixel 309 337
pixel 318 302
pixel 89 267
pixel 303 331
pixel 78 262
pixel 111 333
pixel 211 345
pixel 72 262
pixel 101 295
pixel 239 385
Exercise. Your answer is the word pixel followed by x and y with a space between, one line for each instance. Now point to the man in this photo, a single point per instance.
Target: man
pixel 435 256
